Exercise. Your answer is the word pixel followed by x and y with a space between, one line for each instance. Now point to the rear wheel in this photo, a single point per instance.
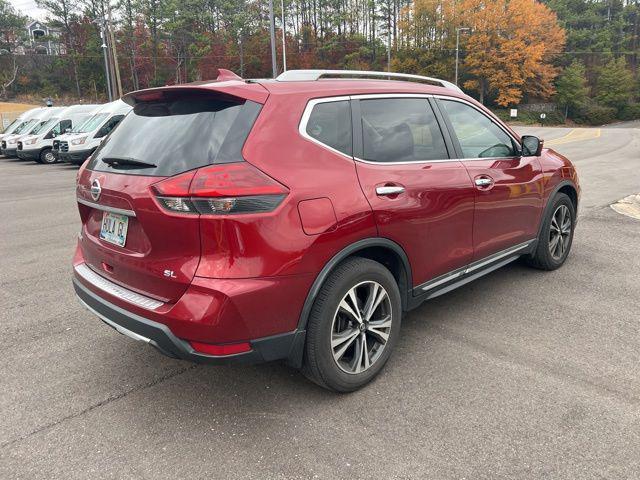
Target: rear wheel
pixel 353 326
pixel 47 156
pixel 556 236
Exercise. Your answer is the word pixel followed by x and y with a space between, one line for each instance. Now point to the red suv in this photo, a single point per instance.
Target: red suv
pixel 298 218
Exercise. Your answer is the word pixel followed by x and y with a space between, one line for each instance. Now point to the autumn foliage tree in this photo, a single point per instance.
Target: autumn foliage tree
pixel 509 50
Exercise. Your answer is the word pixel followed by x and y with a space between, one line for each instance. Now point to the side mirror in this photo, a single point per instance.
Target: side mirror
pixel 531 146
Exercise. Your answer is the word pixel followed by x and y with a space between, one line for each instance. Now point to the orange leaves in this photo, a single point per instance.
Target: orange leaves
pixel 510 49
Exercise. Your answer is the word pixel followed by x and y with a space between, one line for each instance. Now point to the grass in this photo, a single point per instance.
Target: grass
pixel 6 107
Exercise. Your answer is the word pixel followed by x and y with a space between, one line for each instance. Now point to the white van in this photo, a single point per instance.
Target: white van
pixel 9 144
pixel 20 121
pixel 77 145
pixel 38 145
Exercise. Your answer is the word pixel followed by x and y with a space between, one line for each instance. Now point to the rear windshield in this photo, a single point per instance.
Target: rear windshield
pixel 177 135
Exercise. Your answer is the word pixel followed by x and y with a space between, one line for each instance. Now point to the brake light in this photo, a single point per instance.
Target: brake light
pixel 232 188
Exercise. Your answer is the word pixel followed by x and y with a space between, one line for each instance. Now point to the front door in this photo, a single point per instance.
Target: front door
pixel 421 199
pixel 508 187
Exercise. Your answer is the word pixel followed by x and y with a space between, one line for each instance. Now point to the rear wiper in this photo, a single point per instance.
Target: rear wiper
pixel 126 161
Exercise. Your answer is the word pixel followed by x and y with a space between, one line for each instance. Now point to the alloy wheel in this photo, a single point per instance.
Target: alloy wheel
pixel 560 232
pixel 361 327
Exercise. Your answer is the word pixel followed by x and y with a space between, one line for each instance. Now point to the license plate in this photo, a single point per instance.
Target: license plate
pixel 114 228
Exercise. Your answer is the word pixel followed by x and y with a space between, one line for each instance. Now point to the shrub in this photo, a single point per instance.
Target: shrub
pixel 594 114
pixel 630 112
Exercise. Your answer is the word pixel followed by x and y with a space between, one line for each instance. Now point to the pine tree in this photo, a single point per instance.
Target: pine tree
pixel 572 89
pixel 615 84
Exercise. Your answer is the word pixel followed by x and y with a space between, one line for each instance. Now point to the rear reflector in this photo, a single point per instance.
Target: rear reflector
pixel 228 349
pixel 232 188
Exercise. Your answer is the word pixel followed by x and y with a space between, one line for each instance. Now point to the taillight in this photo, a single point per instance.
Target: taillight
pixel 232 188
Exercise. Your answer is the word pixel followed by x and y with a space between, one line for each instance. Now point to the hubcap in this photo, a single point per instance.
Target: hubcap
pixel 49 158
pixel 560 232
pixel 361 327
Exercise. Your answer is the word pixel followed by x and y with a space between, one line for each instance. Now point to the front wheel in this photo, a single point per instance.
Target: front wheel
pixel 556 235
pixel 353 325
pixel 47 156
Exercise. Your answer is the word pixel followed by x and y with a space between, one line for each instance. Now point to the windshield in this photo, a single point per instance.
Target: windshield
pixel 44 126
pixel 91 124
pixel 24 127
pixel 179 134
pixel 12 125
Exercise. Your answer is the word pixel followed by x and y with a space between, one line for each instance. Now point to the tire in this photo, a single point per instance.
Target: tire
pixel 550 253
pixel 47 156
pixel 329 321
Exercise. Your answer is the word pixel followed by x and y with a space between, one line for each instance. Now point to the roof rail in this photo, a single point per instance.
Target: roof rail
pixel 311 75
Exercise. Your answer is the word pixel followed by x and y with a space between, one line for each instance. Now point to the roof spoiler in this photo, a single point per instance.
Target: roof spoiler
pixel 227 83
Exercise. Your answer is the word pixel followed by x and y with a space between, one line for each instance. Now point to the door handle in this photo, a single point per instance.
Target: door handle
pixel 388 190
pixel 483 182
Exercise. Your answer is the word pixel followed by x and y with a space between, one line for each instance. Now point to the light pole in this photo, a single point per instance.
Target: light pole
pixel 458 30
pixel 104 47
pixel 274 66
pixel 284 36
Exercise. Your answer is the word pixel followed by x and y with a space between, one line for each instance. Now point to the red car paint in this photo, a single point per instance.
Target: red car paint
pixel 237 278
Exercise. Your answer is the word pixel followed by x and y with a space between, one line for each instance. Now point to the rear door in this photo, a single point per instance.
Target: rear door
pixel 127 235
pixel 421 198
pixel 508 186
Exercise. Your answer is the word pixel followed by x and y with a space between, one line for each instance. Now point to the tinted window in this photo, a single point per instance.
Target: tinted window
pixel 479 136
pixel 400 130
pixel 179 135
pixel 330 123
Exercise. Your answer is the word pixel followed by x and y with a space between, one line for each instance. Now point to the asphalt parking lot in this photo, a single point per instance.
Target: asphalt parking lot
pixel 521 374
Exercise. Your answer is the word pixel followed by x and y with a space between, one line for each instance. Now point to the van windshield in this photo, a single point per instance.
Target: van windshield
pixel 44 126
pixel 176 135
pixel 24 127
pixel 91 124
pixel 12 125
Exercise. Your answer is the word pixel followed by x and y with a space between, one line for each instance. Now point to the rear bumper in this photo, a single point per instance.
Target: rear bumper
pixel 158 335
pixel 28 154
pixel 78 157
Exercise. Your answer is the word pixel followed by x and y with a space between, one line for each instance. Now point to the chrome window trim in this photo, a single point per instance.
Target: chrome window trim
pixel 302 126
pixel 105 208
pixel 116 290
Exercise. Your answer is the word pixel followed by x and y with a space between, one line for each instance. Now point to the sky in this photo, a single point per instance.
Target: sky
pixel 29 8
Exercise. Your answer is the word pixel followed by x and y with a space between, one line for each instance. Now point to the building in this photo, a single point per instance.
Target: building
pixel 42 39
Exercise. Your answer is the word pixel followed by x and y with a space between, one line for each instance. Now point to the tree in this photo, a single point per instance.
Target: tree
pixel 11 25
pixel 508 49
pixel 63 12
pixel 615 84
pixel 572 89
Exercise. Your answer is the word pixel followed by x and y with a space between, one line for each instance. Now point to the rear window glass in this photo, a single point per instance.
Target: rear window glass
pixel 178 135
pixel 330 123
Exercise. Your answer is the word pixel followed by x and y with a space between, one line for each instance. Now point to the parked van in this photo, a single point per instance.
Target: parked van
pixel 77 145
pixel 38 145
pixel 23 118
pixel 9 145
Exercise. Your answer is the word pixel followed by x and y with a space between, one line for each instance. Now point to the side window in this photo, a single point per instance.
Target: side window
pixel 110 125
pixel 330 123
pixel 400 129
pixel 479 137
